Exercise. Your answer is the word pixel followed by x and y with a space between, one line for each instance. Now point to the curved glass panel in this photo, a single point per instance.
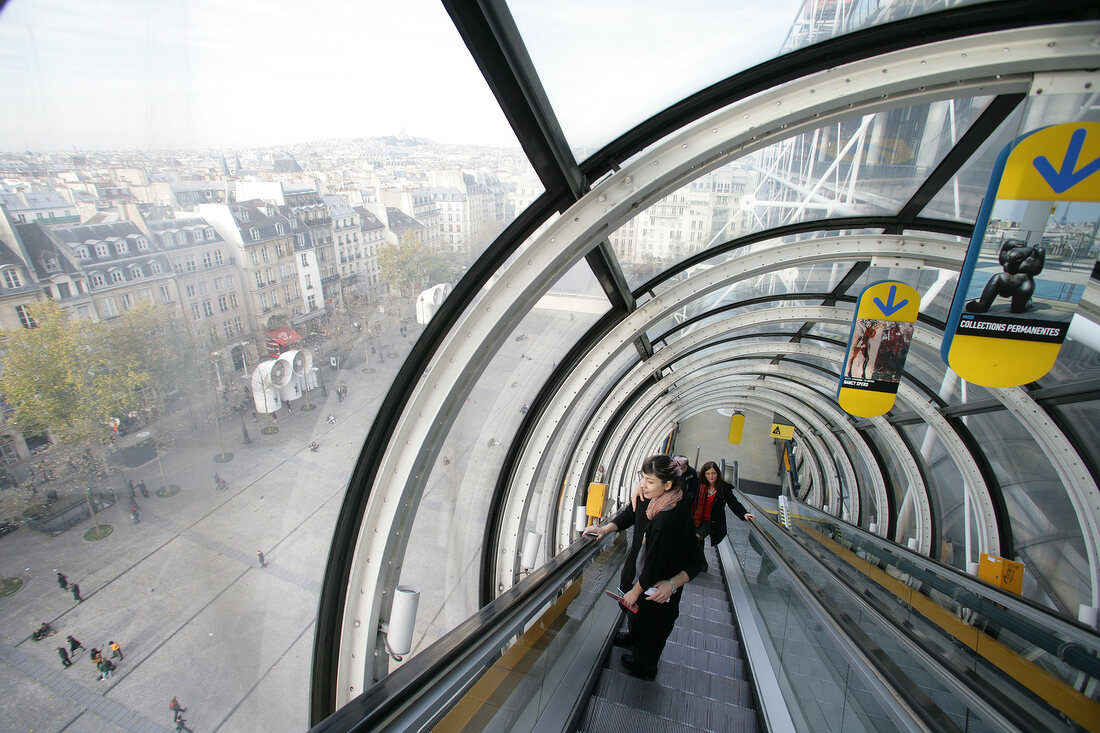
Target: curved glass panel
pixel 219 183
pixel 649 58
pixel 1077 362
pixel 1045 528
pixel 871 164
pixel 945 483
pixel 864 484
pixel 447 535
pixel 897 483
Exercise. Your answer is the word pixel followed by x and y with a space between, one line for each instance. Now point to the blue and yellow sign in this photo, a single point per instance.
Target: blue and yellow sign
pixel 1029 260
pixel 737 427
pixel 882 330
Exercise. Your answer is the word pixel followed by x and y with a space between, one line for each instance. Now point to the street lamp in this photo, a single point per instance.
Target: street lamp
pixel 244 357
pixel 217 370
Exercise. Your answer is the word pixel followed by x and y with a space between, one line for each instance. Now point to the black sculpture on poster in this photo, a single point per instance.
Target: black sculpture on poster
pixel 1021 262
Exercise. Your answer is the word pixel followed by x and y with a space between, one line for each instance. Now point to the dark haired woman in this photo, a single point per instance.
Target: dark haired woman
pixel 663 557
pixel 709 517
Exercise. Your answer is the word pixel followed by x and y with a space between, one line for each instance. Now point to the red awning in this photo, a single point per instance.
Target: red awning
pixel 284 336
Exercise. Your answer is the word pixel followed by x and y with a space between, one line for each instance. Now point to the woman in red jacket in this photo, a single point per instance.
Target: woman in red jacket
pixel 710 519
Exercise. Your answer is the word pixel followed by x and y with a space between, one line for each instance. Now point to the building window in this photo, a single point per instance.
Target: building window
pixel 97 280
pixel 280 227
pixel 51 264
pixel 101 250
pixel 195 314
pixel 309 285
pixel 239 325
pixel 116 276
pixel 135 273
pixel 196 236
pixel 166 293
pixel 280 250
pixel 223 304
pixel 259 279
pixel 264 254
pixel 154 267
pixel 218 284
pixel 207 309
pixel 190 290
pixel 311 302
pixel 207 260
pixel 228 281
pixel 12 279
pixel 305 260
pixel 233 299
pixel 263 302
pixel 121 247
pixel 189 263
pixel 300 240
pixel 209 233
pixel 25 319
pixel 82 253
pixel 177 266
pixel 217 257
pixel 146 295
pixel 109 308
pixel 203 288
pixel 228 327
pixel 294 223
pixel 127 301
pixel 254 233
pixel 142 244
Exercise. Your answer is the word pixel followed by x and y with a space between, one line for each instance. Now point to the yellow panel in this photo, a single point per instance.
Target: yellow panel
pixel 597 493
pixel 865 402
pixel 995 362
pixel 783 432
pixel 1065 155
pixel 737 427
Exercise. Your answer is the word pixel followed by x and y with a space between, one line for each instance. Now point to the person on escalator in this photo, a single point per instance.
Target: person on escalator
pixel 709 516
pixel 664 556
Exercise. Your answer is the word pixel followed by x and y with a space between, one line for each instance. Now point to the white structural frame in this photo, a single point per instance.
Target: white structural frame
pixel 980 64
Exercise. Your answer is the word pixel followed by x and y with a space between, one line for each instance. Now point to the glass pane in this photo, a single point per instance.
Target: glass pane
pixel 1045 528
pixel 443 559
pixel 945 485
pixel 647 57
pixel 865 165
pixel 217 145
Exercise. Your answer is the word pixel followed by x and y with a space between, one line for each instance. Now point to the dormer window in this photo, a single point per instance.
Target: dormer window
pixel 82 252
pixel 121 247
pixel 51 264
pixel 101 250
pixel 142 244
pixel 280 228
pixel 196 235
pixel 12 279
pixel 116 276
pixel 244 214
pixel 97 280
pixel 181 237
pixel 135 273
pixel 294 223
pixel 254 233
pixel 209 233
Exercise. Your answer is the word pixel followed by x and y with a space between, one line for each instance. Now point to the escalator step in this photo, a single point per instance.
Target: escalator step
pixel 605 716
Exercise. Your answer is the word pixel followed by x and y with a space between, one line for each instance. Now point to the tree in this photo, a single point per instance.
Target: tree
pixel 413 265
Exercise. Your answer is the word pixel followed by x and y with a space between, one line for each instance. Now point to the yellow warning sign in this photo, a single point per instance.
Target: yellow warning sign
pixel 737 427
pixel 998 571
pixel 783 432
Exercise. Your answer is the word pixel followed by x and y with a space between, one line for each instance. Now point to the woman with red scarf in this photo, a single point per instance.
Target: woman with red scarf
pixel 663 557
pixel 709 517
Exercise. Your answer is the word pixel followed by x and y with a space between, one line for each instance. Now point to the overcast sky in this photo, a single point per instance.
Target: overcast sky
pixel 126 74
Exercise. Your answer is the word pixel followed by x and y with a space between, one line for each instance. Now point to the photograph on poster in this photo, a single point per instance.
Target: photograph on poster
pixel 1035 260
pixel 877 352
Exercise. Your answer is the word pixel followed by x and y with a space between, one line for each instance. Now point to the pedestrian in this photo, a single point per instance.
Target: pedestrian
pixel 74 644
pixel 76 593
pixel 95 655
pixel 217 482
pixel 134 513
pixel 260 556
pixel 324 392
pixel 116 650
pixel 65 661
pixel 287 403
pixel 141 487
pixel 331 420
pixel 175 707
pixel 62 581
pixel 106 669
pixel 181 725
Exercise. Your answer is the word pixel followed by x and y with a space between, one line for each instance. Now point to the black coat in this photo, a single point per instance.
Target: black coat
pixel 725 496
pixel 669 541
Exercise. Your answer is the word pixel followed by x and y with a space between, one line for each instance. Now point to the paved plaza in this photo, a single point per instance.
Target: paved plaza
pixel 183 592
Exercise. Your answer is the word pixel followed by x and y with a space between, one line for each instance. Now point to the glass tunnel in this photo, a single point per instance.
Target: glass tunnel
pixel 681 259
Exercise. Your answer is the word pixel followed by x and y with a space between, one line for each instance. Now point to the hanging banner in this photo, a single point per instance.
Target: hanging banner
pixel 737 427
pixel 882 330
pixel 1030 258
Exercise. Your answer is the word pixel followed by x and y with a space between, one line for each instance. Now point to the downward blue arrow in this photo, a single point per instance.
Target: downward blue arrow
pixel 1066 178
pixel 889 308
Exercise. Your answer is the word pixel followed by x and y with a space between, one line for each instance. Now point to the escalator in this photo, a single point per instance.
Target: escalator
pixel 832 629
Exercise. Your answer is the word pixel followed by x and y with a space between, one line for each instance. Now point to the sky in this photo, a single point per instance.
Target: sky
pixel 190 74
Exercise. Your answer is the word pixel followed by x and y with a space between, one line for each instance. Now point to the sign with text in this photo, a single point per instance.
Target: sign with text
pixel 1030 258
pixel 882 330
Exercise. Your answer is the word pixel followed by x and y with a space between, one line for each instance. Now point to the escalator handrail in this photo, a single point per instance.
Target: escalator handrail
pixel 462 648
pixel 1057 635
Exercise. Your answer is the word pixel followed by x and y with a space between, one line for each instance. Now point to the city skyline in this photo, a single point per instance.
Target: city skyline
pixel 127 75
